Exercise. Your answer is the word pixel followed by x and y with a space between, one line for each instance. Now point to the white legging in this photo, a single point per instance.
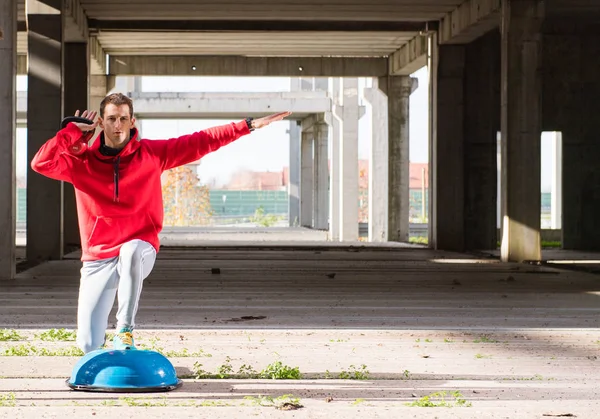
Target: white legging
pixel 100 281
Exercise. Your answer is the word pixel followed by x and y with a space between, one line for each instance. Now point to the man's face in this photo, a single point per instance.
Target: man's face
pixel 116 124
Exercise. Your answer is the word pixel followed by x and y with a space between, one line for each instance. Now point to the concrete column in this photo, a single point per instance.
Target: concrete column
pixel 294 175
pixel 334 175
pixel 8 106
pixel 482 124
pixel 321 176
pixel 398 91
pixel 556 188
pixel 44 112
pixel 521 22
pixel 378 164
pixel 75 96
pixel 448 149
pixel 349 162
pixel 432 65
pixel 98 90
pixel 571 88
pixel 306 180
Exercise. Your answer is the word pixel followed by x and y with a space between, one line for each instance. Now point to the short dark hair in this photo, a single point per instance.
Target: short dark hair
pixel 116 99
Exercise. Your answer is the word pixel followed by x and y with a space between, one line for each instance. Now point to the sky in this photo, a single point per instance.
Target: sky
pixel 267 149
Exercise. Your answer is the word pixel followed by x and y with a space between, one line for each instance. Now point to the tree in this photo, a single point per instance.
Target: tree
pixel 187 203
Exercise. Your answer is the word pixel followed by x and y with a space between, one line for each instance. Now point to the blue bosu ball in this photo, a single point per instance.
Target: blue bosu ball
pixel 126 371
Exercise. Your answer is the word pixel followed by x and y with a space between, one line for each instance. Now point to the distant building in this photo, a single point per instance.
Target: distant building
pixel 246 180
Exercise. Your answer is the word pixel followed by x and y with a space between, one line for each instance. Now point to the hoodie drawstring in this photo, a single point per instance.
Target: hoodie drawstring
pixel 116 179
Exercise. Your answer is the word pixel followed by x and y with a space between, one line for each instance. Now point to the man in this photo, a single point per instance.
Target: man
pixel 119 205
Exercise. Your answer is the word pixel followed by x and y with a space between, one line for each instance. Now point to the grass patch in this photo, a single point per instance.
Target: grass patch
pixel 10 335
pixel 54 335
pixel 30 350
pixel 361 373
pixel 551 244
pixel 485 339
pixel 8 400
pixel 418 240
pixel 438 399
pixel 481 356
pixel 274 371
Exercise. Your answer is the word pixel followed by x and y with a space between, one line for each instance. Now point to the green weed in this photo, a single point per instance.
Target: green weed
pixel 6 335
pixel 30 350
pixel 8 400
pixel 355 374
pixel 278 371
pixel 438 399
pixel 485 339
pixel 57 335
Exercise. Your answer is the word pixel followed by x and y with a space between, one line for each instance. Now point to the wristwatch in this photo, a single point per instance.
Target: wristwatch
pixel 249 123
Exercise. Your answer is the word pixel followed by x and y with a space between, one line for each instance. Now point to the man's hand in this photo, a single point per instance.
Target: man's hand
pixel 264 121
pixel 91 115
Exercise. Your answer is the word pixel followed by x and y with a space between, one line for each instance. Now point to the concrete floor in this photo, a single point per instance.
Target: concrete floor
pixel 515 340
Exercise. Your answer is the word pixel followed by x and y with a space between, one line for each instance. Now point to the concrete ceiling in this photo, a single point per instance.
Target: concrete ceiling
pixel 251 28
pixel 290 10
pixel 282 27
pixel 254 43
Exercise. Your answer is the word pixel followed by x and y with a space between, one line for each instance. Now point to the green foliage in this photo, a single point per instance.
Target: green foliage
pixel 418 240
pixel 264 220
pixel 274 371
pixel 12 335
pixel 8 400
pixel 485 339
pixel 30 350
pixel 57 335
pixel 438 399
pixel 355 374
pixel 278 371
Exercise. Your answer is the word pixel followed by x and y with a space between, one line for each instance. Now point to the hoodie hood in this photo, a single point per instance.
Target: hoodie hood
pixel 130 148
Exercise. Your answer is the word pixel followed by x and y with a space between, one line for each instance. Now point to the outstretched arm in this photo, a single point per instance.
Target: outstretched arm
pixel 189 148
pixel 55 157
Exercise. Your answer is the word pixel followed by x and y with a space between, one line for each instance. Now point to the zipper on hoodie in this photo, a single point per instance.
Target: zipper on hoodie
pixel 116 178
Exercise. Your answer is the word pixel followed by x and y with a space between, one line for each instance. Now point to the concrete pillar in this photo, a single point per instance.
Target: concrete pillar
pixel 44 112
pixel 571 88
pixel 448 150
pixel 321 176
pixel 75 96
pixel 432 66
pixel 521 22
pixel 464 144
pixel 306 180
pixel 481 127
pixel 334 174
pixel 349 162
pixel 378 164
pixel 98 90
pixel 398 90
pixel 294 175
pixel 8 106
pixel 556 185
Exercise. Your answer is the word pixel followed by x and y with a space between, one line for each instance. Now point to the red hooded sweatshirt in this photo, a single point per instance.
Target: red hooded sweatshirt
pixel 119 198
